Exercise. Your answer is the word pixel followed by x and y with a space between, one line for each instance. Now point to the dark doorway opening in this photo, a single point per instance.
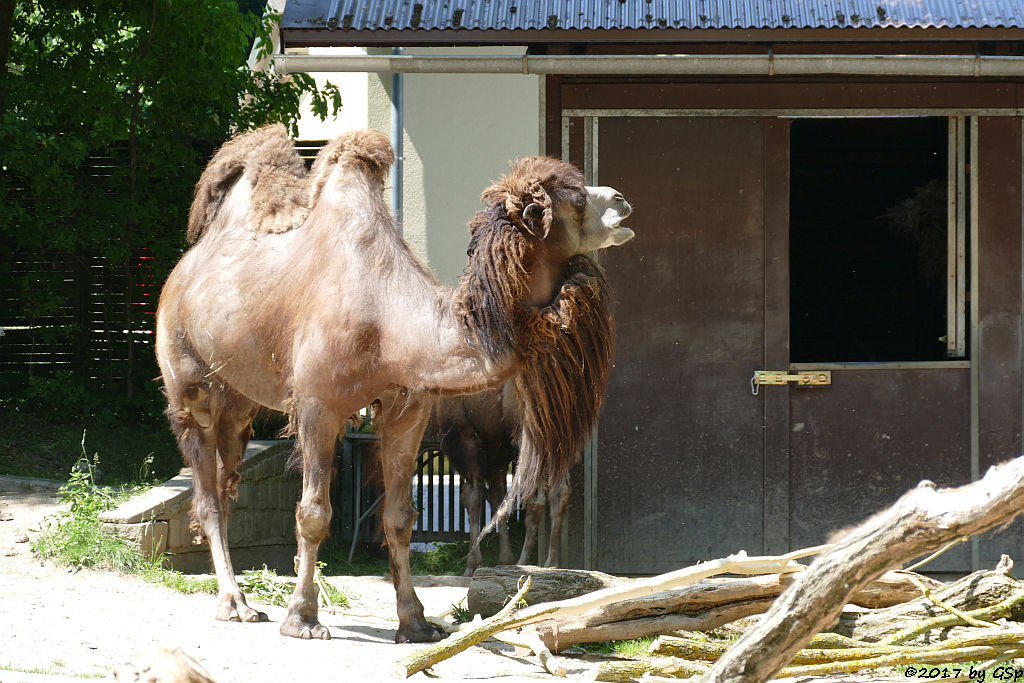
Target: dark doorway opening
pixel 869 239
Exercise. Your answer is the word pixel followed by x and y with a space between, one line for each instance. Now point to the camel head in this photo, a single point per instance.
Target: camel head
pixel 547 198
pixel 601 222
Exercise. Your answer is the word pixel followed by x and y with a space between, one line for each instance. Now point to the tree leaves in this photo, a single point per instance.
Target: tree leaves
pixel 89 85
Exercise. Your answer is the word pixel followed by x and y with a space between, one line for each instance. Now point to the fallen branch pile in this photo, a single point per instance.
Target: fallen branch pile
pixel 912 620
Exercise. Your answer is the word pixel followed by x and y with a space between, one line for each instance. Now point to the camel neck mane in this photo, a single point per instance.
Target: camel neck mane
pixel 488 295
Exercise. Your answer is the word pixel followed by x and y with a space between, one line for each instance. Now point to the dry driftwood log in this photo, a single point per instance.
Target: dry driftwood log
pixel 703 606
pixel 491 587
pixel 559 637
pixel 977 590
pixel 510 618
pixel 630 669
pixel 921 521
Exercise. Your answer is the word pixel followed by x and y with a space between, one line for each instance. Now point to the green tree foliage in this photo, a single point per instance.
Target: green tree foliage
pixel 109 109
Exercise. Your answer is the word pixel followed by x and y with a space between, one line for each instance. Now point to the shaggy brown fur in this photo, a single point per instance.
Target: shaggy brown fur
pixel 563 375
pixel 270 164
pixel 317 317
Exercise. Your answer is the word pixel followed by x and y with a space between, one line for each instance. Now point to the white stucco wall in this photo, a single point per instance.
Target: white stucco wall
pixel 460 132
pixel 354 100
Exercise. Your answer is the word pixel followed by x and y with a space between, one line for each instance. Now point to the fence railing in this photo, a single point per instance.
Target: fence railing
pixel 435 493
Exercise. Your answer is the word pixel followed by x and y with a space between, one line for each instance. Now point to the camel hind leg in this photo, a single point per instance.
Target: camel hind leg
pixel 211 423
pixel 318 428
pixel 405 418
pixel 500 457
pixel 459 445
pixel 558 502
pixel 533 512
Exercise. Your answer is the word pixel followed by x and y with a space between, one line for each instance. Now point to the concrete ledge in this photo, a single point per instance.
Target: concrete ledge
pixel 150 536
pixel 280 558
pixel 261 524
pixel 153 504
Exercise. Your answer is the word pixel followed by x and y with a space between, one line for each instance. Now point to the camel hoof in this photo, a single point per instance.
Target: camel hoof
pixel 229 610
pixel 423 633
pixel 295 627
pixel 252 616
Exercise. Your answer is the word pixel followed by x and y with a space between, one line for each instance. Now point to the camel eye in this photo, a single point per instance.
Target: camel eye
pixel 619 198
pixel 581 202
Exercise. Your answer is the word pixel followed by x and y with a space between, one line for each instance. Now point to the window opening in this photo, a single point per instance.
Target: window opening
pixel 877 262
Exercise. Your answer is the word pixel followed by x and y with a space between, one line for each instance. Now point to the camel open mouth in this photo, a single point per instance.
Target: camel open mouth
pixel 621 234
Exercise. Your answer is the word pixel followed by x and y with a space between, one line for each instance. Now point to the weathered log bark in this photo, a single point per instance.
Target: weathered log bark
pixel 633 669
pixel 491 587
pixel 921 521
pixel 977 590
pixel 996 639
pixel 508 618
pixel 893 588
pixel 701 607
pixel 558 636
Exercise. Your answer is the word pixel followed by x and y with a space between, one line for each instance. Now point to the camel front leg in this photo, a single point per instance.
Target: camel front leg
pixel 405 418
pixel 317 429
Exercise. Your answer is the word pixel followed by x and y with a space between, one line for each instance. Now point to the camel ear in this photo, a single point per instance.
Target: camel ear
pixel 533 216
pixel 533 212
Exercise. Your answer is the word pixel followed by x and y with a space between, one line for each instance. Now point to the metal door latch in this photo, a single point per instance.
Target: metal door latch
pixel 812 378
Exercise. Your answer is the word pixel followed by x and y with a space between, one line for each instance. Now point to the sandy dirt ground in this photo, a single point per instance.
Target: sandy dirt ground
pixel 57 625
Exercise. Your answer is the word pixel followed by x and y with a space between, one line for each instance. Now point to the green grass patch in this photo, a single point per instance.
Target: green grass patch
pixel 264 585
pixel 156 572
pixel 76 539
pixel 58 671
pixel 631 649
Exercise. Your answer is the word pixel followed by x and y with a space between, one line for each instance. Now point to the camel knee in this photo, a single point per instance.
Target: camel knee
pixel 471 497
pixel 313 521
pixel 399 520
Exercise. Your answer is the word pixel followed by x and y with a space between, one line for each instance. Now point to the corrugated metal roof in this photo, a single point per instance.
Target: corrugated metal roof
pixel 518 15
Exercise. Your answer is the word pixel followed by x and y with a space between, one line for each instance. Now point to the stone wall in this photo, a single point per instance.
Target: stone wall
pixel 261 527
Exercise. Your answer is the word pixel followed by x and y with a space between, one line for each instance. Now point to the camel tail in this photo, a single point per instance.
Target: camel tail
pixel 266 155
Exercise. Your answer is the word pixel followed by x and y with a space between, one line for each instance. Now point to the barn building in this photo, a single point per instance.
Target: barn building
pixel 823 304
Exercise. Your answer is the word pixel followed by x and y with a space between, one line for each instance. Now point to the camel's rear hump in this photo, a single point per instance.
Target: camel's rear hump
pixel 368 146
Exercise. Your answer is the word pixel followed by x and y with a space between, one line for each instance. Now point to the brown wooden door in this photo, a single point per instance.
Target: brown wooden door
pixel 680 448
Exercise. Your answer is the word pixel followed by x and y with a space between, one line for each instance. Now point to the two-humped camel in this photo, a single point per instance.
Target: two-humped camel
pixel 299 294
